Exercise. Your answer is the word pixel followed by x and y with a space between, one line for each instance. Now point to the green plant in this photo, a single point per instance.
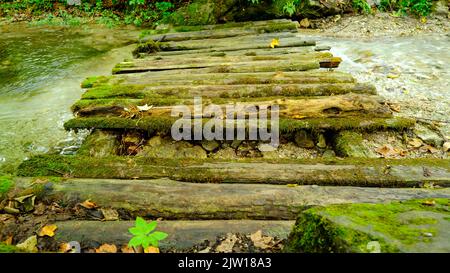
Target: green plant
pixel 144 234
pixel 362 6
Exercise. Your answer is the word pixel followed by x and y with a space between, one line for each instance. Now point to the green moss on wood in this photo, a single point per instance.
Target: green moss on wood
pixel 6 183
pixel 4 248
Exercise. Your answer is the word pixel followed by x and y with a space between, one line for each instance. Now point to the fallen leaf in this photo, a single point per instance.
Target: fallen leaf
pixel 261 241
pixel 70 247
pixel 226 246
pixel 29 245
pixel 48 231
pixel 151 249
pixel 429 203
pixel 388 151
pixel 144 108
pixel 8 240
pixel 127 249
pixel 415 142
pixel 275 42
pixel 110 214
pixel 292 185
pixel 39 209
pixel 393 76
pixel 429 148
pixel 88 204
pixel 446 146
pixel 106 248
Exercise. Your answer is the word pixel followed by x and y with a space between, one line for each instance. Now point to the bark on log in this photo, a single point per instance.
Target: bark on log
pixel 227 91
pixel 243 67
pixel 178 200
pixel 183 235
pixel 322 107
pixel 353 172
pixel 165 78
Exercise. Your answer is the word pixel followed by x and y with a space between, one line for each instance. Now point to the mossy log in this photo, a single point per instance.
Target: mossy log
pixel 163 124
pixel 166 78
pixel 183 33
pixel 178 200
pixel 183 234
pixel 321 107
pixel 242 67
pixel 236 91
pixel 409 226
pixel 164 63
pixel 351 172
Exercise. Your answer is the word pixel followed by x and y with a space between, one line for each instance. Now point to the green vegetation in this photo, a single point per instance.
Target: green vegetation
pixel 144 234
pixel 402 7
pixel 6 184
pixel 349 228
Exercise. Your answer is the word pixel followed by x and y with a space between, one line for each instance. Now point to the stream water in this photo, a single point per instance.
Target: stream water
pixel 41 70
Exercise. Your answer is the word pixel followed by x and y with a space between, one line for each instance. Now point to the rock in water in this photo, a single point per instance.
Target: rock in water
pixel 100 144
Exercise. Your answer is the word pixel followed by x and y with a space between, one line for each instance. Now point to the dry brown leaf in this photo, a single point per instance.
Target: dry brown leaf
pixel 388 151
pixel 151 249
pixel 429 148
pixel 415 142
pixel 261 241
pixel 88 204
pixel 127 249
pixel 8 240
pixel 48 231
pixel 106 248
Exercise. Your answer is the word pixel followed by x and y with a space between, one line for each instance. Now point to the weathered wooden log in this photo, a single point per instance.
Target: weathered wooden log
pixel 322 107
pixel 226 91
pixel 242 67
pixel 349 172
pixel 222 31
pixel 218 53
pixel 163 125
pixel 164 63
pixel 165 78
pixel 170 199
pixel 183 234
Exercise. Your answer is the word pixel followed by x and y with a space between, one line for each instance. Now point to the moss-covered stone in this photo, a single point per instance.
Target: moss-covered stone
pixel 351 144
pixel 408 226
pixel 100 144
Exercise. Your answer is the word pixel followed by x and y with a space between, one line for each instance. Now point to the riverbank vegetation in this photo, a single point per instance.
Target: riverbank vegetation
pixel 194 12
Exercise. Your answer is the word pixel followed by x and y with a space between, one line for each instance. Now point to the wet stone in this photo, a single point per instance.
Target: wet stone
pixel 304 140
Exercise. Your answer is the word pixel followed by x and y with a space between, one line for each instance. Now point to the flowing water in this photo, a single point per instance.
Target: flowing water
pixel 41 69
pixel 410 71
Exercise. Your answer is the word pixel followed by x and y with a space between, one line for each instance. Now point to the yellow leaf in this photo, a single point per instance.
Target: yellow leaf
pixel 48 231
pixel 292 185
pixel 275 42
pixel 423 20
pixel 429 203
pixel 9 240
pixel 106 248
pixel 88 204
pixel 151 249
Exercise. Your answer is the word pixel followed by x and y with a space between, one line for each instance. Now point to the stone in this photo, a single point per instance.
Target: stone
pixel 131 138
pixel 303 139
pixel 446 146
pixel 322 48
pixel 304 23
pixel 226 153
pixel 235 144
pixel 100 144
pixel 440 8
pixel 165 147
pixel 401 226
pixel 428 136
pixel 351 144
pixel 210 145
pixel 321 141
pixel 265 147
pixel 329 154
